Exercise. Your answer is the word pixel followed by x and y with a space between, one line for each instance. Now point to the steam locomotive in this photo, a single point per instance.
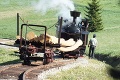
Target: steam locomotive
pixel 35 50
pixel 75 30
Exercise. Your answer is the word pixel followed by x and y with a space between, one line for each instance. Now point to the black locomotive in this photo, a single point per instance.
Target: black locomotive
pixel 75 30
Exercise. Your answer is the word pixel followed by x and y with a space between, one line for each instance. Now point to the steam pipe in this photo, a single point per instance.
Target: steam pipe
pixel 59 36
pixel 17 23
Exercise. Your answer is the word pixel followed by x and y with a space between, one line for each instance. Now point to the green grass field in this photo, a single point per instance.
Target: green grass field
pixel 8 57
pixel 9 10
pixel 92 71
pixel 108 48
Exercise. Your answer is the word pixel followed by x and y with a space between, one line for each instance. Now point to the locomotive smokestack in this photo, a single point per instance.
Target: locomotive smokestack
pixel 75 14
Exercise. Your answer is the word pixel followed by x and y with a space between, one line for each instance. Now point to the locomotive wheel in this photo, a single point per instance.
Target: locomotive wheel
pixel 76 56
pixel 82 52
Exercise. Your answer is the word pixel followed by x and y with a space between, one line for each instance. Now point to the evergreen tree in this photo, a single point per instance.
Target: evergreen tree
pixel 93 14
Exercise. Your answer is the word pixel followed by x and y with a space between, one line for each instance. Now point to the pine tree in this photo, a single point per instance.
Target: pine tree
pixel 93 14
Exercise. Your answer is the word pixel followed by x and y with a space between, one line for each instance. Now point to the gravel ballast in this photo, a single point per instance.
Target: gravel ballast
pixel 53 71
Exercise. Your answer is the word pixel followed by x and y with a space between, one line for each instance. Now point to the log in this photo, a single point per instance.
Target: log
pixel 66 45
pixel 63 42
pixel 71 48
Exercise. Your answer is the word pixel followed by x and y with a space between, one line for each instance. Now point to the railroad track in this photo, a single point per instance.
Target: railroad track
pixel 24 72
pixel 16 71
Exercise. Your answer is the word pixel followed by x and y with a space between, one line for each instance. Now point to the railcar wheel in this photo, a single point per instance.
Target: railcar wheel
pixel 27 62
pixel 44 61
pixel 25 59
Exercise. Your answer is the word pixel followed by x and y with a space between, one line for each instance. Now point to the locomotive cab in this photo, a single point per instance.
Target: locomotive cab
pixel 84 34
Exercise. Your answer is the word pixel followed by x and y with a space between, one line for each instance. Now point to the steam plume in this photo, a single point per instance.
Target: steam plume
pixel 62 6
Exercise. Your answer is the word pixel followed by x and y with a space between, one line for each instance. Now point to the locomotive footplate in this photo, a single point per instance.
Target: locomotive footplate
pixel 71 54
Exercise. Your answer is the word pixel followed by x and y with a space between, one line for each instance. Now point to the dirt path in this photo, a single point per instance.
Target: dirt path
pixel 7 44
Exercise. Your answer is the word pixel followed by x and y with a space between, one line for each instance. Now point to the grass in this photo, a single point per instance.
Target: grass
pixel 94 70
pixel 110 11
pixel 8 57
pixel 108 48
pixel 9 9
pixel 108 41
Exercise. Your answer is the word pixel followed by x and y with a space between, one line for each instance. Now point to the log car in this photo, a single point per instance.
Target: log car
pixel 31 50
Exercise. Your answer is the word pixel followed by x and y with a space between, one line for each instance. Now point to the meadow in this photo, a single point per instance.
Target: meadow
pixel 108 49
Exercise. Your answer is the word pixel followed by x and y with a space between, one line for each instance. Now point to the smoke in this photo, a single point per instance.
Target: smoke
pixel 45 5
pixel 63 8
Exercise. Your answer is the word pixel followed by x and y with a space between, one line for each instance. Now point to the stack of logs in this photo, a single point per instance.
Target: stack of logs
pixel 66 45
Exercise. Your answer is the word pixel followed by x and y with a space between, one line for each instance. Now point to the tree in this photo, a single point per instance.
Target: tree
pixel 119 2
pixel 93 14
